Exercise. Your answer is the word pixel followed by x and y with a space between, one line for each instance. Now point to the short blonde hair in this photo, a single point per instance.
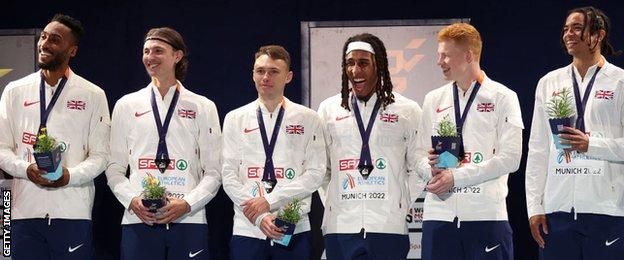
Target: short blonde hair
pixel 463 34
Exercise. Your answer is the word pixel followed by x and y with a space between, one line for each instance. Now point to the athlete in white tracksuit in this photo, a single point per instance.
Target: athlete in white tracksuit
pixel 575 196
pixel 365 214
pixel 192 139
pixel 58 212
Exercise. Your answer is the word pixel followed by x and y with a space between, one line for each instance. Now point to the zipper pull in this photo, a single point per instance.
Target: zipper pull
pixel 47 216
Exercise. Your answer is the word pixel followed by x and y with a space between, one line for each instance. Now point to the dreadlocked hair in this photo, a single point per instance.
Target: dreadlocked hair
pixel 384 84
pixel 596 20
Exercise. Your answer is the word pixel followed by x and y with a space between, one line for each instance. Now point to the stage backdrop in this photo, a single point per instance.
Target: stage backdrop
pixel 412 54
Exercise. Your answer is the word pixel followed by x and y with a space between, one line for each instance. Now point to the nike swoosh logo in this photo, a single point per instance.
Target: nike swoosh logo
pixel 488 249
pixel 137 114
pixel 438 110
pixel 191 255
pixel 26 103
pixel 338 118
pixel 72 249
pixel 609 243
pixel 249 130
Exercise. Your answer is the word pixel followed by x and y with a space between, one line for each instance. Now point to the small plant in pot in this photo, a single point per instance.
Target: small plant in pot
pixel 153 195
pixel 48 155
pixel 447 144
pixel 287 219
pixel 561 112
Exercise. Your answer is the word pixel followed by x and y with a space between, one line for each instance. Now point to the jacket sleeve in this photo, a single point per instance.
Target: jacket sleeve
pixel 119 154
pixel 98 149
pixel 609 148
pixel 416 183
pixel 324 188
pixel 537 160
pixel 423 140
pixel 210 157
pixel 232 184
pixel 508 152
pixel 9 161
pixel 314 170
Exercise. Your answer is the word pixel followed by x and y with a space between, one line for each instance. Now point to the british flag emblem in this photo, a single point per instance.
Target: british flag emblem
pixel 76 105
pixel 294 129
pixel 389 118
pixel 604 94
pixel 485 107
pixel 187 113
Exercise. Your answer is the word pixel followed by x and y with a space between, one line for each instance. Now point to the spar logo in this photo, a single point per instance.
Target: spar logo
pixel 475 157
pixel 148 164
pixel 257 172
pixel 352 164
pixel 28 138
pixel 348 183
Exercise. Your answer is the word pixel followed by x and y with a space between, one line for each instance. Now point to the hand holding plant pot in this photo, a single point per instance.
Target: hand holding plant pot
pixel 447 144
pixel 560 111
pixel 153 195
pixel 287 219
pixel 48 155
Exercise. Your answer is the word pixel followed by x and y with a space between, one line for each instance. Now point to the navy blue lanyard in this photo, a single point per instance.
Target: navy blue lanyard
pixel 365 155
pixel 45 112
pixel 269 168
pixel 459 120
pixel 162 153
pixel 581 104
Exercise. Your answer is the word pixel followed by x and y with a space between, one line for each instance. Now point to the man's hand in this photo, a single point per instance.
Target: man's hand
pixel 433 160
pixel 441 182
pixel 62 181
pixel 252 208
pixel 535 222
pixel 35 175
pixel 173 210
pixel 269 228
pixel 142 212
pixel 574 137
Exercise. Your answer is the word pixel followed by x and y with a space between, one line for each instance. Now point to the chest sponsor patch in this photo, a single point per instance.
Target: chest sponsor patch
pixel 485 107
pixel 389 118
pixel 76 105
pixel 294 129
pixel 149 164
pixel 257 172
pixel 187 113
pixel 604 94
pixel 28 138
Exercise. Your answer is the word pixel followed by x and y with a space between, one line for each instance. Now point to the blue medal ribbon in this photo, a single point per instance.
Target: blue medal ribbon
pixel 268 175
pixel 45 111
pixel 581 104
pixel 366 162
pixel 459 120
pixel 162 154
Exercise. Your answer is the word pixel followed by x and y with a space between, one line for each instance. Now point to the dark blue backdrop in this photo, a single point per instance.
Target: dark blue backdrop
pixel 521 43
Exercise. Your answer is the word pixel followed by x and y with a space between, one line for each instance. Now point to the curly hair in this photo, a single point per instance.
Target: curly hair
pixel 595 20
pixel 384 84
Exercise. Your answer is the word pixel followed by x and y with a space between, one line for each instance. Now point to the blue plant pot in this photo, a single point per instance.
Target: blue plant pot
pixel 153 204
pixel 556 126
pixel 448 149
pixel 51 163
pixel 289 230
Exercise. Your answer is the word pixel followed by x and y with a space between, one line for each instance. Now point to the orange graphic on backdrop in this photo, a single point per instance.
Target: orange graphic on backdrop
pixel 404 64
pixel 4 72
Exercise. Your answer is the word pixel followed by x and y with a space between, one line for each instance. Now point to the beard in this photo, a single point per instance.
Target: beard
pixel 55 63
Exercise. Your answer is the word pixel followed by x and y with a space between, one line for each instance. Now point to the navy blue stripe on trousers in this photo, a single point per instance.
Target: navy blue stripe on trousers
pixel 467 240
pixel 249 248
pixel 180 241
pixel 589 236
pixel 62 239
pixel 364 246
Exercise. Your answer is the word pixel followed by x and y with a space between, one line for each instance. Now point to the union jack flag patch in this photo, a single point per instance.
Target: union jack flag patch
pixel 294 129
pixel 389 118
pixel 187 113
pixel 76 105
pixel 604 94
pixel 485 107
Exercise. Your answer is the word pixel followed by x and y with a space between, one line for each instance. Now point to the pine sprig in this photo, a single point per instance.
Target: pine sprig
pixel 291 212
pixel 446 127
pixel 560 104
pixel 45 143
pixel 152 188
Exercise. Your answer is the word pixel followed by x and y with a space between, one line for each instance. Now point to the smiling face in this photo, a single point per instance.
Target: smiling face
pixel 575 27
pixel 452 59
pixel 55 46
pixel 362 73
pixel 159 58
pixel 271 76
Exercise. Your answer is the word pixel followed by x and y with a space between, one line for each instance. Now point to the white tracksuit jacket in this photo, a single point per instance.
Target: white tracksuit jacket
pixel 380 203
pixel 79 121
pixel 193 142
pixel 492 136
pixel 599 187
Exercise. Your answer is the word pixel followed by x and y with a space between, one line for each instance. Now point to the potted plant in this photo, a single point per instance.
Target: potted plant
pixel 560 111
pixel 447 144
pixel 153 195
pixel 48 155
pixel 287 219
